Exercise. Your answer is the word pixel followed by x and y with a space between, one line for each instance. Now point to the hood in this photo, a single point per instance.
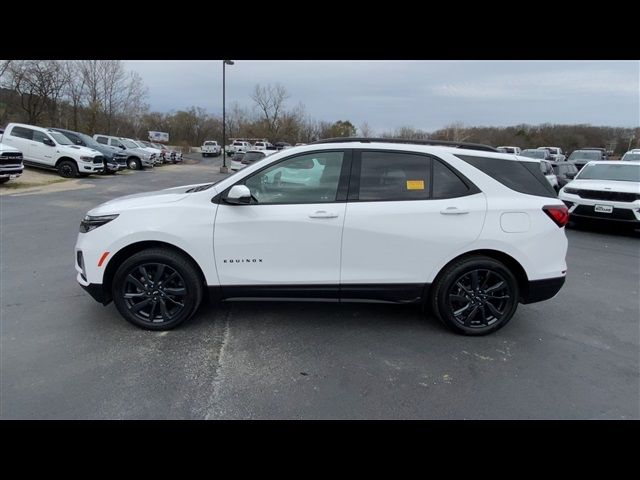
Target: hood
pixel 78 150
pixel 8 148
pixel 157 197
pixel 605 185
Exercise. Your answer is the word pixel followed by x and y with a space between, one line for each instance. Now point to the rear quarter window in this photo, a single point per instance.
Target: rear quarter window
pixel 22 132
pixel 523 177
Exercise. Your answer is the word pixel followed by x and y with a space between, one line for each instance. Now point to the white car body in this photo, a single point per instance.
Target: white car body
pixel 546 168
pixel 631 155
pixel 211 147
pixel 555 152
pixel 391 250
pixel 262 146
pixel 146 146
pixel 602 199
pixel 509 149
pixel 11 166
pixel 39 154
pixel 239 146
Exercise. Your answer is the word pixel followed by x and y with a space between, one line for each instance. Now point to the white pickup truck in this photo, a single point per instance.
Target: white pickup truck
pixel 211 148
pixel 238 146
pixel 10 162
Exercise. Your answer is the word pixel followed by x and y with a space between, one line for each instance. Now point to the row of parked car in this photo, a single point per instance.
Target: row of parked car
pixel 75 154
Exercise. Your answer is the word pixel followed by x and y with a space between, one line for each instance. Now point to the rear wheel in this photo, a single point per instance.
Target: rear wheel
pixel 67 169
pixel 475 296
pixel 157 289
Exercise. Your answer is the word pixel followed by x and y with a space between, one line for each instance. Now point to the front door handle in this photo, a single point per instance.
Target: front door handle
pixel 323 214
pixel 453 211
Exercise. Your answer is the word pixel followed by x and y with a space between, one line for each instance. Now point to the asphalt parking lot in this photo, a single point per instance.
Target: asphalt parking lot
pixel 64 356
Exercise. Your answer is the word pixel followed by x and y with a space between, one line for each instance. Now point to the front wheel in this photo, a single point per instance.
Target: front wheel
pixel 67 169
pixel 157 289
pixel 133 164
pixel 475 296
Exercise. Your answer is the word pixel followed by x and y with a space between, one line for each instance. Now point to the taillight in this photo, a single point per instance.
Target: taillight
pixel 558 213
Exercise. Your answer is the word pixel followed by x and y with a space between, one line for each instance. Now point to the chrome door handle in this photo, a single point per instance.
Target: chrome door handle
pixel 453 211
pixel 323 214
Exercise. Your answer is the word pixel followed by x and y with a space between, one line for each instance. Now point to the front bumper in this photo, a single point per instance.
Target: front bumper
pixel 96 291
pixel 539 290
pixel 622 212
pixel 11 172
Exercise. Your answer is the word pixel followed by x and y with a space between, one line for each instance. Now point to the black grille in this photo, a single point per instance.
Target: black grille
pixel 617 214
pixel 11 155
pixel 99 160
pixel 611 196
pixel 11 161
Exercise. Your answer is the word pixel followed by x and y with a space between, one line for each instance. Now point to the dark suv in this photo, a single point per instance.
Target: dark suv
pixel 113 160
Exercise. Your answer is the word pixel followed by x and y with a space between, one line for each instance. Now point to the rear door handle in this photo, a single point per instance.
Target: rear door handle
pixel 323 214
pixel 453 211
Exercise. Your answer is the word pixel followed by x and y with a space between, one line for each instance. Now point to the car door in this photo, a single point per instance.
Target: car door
pixel 41 152
pixel 288 238
pixel 406 213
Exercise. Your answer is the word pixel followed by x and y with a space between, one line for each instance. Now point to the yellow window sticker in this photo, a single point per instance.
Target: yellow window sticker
pixel 415 184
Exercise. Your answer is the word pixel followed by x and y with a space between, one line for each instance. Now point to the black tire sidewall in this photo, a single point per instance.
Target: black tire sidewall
pixel 452 273
pixel 72 165
pixel 182 265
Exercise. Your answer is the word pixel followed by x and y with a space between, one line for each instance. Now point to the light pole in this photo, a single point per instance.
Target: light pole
pixel 223 168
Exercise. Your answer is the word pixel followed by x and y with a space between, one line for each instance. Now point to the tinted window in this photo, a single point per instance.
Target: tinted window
pixel 102 140
pixel 38 136
pixel 523 177
pixel 22 132
pixel 447 184
pixel 253 156
pixel 311 178
pixel 394 176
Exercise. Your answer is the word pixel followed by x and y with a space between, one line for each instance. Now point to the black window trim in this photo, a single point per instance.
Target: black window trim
pixel 354 184
pixel 341 192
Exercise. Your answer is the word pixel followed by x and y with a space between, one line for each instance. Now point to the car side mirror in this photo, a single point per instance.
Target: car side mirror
pixel 122 147
pixel 78 142
pixel 238 195
pixel 48 141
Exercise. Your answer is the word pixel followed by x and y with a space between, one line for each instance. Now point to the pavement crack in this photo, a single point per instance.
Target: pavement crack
pixel 212 406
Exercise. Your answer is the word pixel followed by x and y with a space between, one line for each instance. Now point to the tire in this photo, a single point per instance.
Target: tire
pixel 134 164
pixel 67 169
pixel 137 303
pixel 493 306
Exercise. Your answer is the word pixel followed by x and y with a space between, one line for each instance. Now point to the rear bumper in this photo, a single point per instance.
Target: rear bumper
pixel 539 290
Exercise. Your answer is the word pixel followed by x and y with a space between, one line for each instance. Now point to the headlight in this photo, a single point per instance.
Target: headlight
pixel 89 223
pixel 86 159
pixel 571 190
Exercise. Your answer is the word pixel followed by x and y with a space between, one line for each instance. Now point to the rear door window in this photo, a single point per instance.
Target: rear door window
pixel 22 132
pixel 391 176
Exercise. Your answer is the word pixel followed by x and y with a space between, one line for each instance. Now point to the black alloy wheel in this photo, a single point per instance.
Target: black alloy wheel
pixel 154 293
pixel 475 295
pixel 67 169
pixel 157 289
pixel 479 298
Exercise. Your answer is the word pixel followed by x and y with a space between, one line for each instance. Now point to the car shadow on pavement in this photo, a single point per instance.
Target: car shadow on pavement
pixel 605 228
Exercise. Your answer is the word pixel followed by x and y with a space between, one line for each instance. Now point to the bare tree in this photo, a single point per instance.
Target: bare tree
pixel 4 65
pixel 75 89
pixel 270 101
pixel 365 130
pixel 90 70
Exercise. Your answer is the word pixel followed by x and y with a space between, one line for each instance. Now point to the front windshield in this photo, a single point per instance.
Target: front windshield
pixel 60 138
pixel 534 154
pixel 604 171
pixel 631 157
pixel 129 143
pixel 585 154
pixel 88 141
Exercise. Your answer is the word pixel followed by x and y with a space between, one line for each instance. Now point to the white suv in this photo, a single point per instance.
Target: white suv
pixel 462 229
pixel 45 148
pixel 606 190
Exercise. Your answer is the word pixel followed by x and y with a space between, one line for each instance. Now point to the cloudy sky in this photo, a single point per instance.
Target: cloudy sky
pixel 421 94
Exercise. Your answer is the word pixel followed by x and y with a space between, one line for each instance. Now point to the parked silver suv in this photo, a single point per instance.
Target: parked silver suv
pixel 137 157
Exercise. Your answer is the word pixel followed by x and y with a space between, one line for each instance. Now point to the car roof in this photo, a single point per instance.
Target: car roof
pixel 614 162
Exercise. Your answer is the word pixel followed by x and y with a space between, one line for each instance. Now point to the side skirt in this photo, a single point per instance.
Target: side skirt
pixel 386 293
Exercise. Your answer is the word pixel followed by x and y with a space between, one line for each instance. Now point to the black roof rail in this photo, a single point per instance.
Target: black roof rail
pixel 443 143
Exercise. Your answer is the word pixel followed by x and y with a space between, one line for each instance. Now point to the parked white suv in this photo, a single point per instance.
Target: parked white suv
pixel 606 190
pixel 508 149
pixel 45 148
pixel 469 232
